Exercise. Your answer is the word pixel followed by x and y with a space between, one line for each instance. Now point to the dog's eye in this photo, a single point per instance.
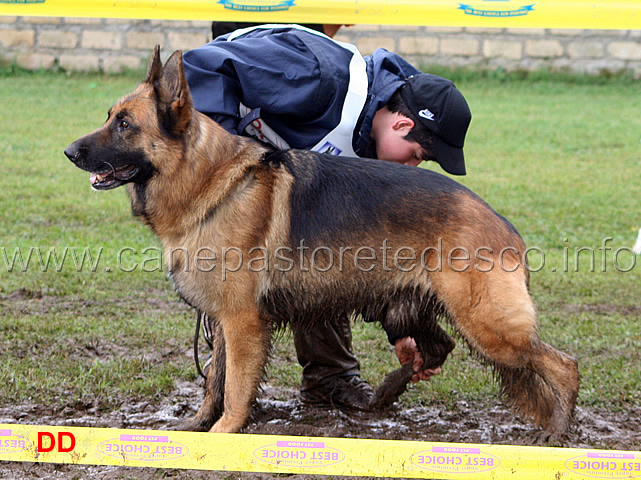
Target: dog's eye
pixel 124 124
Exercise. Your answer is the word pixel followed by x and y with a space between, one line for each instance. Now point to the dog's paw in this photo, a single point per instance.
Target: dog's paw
pixel 193 424
pixel 546 438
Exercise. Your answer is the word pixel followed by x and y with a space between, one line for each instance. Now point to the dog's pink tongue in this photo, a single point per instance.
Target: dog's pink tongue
pixel 94 178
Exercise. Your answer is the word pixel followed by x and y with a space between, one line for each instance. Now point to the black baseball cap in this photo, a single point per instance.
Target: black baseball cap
pixel 440 108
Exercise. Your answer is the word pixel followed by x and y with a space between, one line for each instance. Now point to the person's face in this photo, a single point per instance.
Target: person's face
pixel 389 131
pixel 399 150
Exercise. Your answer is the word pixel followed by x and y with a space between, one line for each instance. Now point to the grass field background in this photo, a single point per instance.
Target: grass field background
pixel 560 157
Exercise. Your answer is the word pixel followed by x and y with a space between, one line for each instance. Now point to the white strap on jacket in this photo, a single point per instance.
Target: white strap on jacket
pixel 259 129
pixel 339 140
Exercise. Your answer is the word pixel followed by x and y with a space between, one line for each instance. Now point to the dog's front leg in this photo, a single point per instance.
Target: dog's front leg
pixel 212 406
pixel 247 337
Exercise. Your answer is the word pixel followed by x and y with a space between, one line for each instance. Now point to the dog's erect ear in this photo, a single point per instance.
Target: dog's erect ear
pixel 154 70
pixel 173 94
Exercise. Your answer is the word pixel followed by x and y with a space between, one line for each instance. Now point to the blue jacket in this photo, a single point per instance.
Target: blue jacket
pixel 297 78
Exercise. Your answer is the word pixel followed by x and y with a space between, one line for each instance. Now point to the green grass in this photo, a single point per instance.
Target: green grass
pixel 560 157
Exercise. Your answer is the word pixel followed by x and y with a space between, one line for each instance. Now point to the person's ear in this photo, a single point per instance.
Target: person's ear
pixel 403 124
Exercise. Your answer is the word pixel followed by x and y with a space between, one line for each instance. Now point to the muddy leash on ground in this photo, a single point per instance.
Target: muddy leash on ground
pixel 392 388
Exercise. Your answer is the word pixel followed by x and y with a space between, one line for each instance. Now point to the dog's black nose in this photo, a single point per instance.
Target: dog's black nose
pixel 71 152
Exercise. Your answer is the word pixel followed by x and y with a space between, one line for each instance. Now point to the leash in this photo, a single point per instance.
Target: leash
pixel 199 316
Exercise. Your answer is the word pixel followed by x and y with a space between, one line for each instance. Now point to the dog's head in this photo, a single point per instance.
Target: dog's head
pixel 140 128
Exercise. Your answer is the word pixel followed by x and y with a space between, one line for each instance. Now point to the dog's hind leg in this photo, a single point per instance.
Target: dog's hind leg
pixel 213 403
pixel 247 337
pixel 493 311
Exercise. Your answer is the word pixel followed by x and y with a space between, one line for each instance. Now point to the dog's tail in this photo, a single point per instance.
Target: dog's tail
pixel 494 313
pixel 545 394
pixel 526 392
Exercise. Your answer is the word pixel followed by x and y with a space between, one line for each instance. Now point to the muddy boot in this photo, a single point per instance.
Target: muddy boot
pixel 331 372
pixel 350 393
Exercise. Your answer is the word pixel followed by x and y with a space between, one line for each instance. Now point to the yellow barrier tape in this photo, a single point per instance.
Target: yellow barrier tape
pixel 591 14
pixel 308 455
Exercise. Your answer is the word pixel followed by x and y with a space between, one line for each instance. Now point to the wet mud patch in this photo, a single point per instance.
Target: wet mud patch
pixel 279 411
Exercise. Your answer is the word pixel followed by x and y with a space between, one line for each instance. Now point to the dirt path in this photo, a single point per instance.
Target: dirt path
pixel 467 423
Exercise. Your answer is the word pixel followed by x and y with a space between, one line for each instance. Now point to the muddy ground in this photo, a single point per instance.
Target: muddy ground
pixel 469 423
pixel 279 411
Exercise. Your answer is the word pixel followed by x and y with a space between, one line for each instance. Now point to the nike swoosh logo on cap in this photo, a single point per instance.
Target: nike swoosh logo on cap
pixel 425 113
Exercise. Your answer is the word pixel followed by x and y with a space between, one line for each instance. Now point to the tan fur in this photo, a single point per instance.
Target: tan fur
pixel 211 190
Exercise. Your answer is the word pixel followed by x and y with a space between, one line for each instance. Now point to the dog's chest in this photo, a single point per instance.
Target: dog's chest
pixel 182 287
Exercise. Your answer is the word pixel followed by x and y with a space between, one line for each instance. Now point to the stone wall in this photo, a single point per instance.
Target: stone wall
pixel 110 45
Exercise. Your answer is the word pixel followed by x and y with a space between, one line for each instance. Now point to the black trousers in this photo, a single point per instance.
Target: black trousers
pixel 325 352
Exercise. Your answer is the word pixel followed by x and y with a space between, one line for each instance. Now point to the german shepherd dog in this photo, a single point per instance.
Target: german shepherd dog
pixel 258 238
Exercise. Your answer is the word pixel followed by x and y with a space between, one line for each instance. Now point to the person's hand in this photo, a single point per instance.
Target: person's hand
pixel 407 352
